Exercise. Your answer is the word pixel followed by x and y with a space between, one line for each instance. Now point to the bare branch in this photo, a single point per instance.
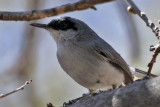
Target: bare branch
pixel 18 89
pixel 144 17
pixel 134 9
pixel 153 60
pixel 39 14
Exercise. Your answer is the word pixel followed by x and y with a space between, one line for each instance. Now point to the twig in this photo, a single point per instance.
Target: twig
pixel 153 60
pixel 155 29
pixel 18 89
pixel 39 14
pixel 144 17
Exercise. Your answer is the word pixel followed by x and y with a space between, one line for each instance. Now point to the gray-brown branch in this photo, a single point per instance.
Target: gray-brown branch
pixel 39 14
pixel 154 28
pixel 16 90
pixel 144 17
pixel 144 93
pixel 153 60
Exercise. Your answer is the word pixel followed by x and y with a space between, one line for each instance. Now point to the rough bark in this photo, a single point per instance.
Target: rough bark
pixel 39 14
pixel 144 93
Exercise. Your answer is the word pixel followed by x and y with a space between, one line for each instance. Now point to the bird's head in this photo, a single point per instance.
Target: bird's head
pixel 66 28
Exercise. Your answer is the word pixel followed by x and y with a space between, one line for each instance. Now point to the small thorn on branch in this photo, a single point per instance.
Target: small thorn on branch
pixel 143 14
pixel 16 90
pixel 154 47
pixel 93 7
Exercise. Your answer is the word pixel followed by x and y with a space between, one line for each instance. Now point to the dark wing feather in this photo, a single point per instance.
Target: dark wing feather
pixel 105 50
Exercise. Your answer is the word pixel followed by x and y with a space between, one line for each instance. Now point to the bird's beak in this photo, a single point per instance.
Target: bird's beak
pixel 39 25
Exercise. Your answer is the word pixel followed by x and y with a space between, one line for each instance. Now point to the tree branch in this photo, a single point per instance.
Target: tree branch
pixel 39 14
pixel 144 93
pixel 18 89
pixel 153 60
pixel 144 17
pixel 154 28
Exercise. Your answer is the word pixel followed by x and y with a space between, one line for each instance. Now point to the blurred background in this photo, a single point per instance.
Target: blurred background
pixel 30 53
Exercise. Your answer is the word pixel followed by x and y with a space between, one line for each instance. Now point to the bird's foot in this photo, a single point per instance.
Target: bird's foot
pixel 91 93
pixel 66 104
pixel 122 85
pixel 146 77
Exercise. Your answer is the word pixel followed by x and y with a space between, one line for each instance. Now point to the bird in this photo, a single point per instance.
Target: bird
pixel 86 57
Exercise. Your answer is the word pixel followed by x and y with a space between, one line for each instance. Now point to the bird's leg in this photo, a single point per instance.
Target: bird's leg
pixel 91 92
pixel 144 78
pixel 114 86
pixel 122 85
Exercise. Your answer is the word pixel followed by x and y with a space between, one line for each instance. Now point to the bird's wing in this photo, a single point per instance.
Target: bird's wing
pixel 106 51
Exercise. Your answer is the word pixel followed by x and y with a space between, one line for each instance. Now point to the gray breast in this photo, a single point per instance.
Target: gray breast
pixel 88 69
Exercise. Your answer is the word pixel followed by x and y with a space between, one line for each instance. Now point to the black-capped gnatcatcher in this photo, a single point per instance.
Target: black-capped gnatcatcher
pixel 86 57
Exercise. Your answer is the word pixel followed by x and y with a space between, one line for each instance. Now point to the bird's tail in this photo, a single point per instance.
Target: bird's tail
pixel 139 73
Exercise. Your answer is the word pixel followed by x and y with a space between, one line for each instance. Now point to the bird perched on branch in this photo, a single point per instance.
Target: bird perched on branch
pixel 86 57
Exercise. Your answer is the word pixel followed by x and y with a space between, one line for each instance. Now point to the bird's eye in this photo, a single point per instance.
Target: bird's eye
pixel 63 26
